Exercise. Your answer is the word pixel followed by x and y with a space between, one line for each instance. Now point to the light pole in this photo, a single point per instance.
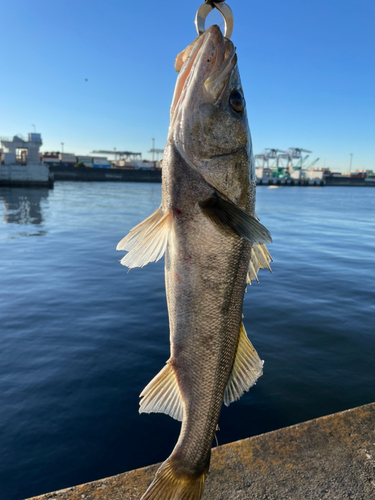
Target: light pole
pixel 350 166
pixel 34 128
pixel 62 147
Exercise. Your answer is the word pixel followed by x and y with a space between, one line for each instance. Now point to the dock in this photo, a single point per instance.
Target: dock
pixel 328 458
pixel 84 174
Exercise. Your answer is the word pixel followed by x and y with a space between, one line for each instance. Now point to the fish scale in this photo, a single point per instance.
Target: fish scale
pixel 218 311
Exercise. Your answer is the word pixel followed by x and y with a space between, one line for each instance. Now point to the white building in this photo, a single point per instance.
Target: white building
pixel 263 174
pixel 20 161
pixel 315 176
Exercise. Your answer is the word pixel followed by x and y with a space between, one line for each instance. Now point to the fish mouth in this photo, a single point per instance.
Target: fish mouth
pixel 224 155
pixel 210 61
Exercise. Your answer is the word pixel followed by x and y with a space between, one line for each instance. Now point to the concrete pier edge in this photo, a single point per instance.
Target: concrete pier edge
pixel 328 458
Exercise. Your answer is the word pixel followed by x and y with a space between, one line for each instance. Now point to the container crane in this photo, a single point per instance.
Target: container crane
pixel 156 151
pixel 296 154
pixel 313 163
pixel 129 155
pixel 264 160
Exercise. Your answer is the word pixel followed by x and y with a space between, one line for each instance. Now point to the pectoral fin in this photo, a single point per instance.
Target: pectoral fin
pixel 162 395
pixel 228 217
pixel 147 242
pixel 247 368
pixel 260 259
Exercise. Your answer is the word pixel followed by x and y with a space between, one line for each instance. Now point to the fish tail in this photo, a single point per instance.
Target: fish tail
pixel 168 485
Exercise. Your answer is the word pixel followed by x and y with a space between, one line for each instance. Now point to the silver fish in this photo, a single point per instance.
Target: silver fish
pixel 213 245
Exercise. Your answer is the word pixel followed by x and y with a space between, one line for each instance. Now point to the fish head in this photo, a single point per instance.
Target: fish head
pixel 209 123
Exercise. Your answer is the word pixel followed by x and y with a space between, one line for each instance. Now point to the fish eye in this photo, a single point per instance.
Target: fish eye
pixel 237 101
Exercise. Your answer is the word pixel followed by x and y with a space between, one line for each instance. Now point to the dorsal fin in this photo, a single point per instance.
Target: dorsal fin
pixel 247 368
pixel 162 395
pixel 147 242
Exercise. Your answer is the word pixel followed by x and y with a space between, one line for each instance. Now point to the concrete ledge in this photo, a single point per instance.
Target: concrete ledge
pixel 329 458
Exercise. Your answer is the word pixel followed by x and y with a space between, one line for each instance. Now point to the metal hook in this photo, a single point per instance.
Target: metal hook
pixel 225 11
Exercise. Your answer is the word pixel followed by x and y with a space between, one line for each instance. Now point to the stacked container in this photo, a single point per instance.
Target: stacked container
pixel 67 160
pixel 101 162
pixel 86 160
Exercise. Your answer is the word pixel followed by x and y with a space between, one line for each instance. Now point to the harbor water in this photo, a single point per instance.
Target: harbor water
pixel 80 336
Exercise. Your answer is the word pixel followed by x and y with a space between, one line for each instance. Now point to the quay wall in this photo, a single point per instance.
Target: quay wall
pixel 328 181
pixel 348 181
pixel 32 174
pixel 104 174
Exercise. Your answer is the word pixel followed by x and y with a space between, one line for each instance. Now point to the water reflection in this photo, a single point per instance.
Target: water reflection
pixel 23 205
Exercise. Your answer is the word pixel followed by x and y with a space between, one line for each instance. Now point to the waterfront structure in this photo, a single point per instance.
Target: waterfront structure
pixel 277 166
pixel 20 163
pixel 263 174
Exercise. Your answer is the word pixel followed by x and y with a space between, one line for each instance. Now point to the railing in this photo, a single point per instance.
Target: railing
pixel 10 139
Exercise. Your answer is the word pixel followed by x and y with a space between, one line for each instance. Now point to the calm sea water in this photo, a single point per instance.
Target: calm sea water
pixel 80 336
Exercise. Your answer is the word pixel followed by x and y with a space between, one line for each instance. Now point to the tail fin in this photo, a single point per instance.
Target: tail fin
pixel 168 486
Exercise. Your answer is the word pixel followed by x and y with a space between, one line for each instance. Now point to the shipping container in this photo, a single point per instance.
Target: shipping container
pixel 49 161
pixel 84 159
pixel 67 157
pixel 59 163
pixel 68 164
pixel 100 160
pixel 108 165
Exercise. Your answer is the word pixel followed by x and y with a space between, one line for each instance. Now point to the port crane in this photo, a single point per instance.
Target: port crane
pixel 284 163
pixel 296 154
pixel 269 154
pixel 156 151
pixel 264 160
pixel 127 155
pixel 313 163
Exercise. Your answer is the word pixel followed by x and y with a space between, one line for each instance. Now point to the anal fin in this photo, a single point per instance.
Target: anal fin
pixel 147 241
pixel 260 259
pixel 162 395
pixel 247 368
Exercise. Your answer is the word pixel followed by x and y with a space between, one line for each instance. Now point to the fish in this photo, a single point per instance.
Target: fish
pixel 214 246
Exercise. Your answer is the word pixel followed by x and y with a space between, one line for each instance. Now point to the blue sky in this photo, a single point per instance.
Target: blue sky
pixel 307 70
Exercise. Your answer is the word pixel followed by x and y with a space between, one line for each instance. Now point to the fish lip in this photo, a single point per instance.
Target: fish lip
pixel 192 60
pixel 184 73
pixel 217 82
